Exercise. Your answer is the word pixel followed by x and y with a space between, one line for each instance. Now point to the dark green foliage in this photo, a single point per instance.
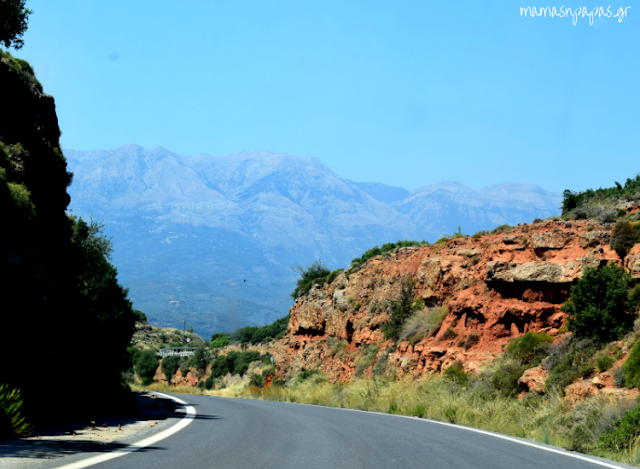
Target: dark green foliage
pixel 256 335
pixel 456 374
pixel 599 304
pixel 234 363
pixel 132 356
pixel 257 380
pixel 139 315
pixel 208 384
pixel 570 361
pixel 449 334
pixel 146 366
pixel 12 422
pixel 315 274
pixel 13 22
pixel 387 247
pixel 631 367
pixel 200 359
pixel 305 374
pixel 622 433
pixel 201 384
pixel 501 228
pixel 521 353
pixel 219 340
pixel 401 309
pixel 57 281
pixel 623 237
pixel 572 200
pixel 605 363
pixel 170 366
pixel 506 377
pixel 530 349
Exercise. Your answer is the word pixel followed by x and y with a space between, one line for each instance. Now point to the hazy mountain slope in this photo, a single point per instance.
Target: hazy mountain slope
pixel 439 209
pixel 213 238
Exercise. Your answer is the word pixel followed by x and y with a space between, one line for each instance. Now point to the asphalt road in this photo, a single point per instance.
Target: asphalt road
pixel 242 433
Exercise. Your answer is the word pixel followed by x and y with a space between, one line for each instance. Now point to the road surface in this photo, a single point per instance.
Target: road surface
pixel 243 433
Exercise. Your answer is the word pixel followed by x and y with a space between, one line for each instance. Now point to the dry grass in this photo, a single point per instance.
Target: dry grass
pixel 547 419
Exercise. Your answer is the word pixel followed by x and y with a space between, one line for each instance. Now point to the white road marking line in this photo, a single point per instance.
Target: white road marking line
pixel 476 430
pixel 186 420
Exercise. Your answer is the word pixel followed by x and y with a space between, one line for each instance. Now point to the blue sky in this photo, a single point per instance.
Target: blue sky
pixel 407 93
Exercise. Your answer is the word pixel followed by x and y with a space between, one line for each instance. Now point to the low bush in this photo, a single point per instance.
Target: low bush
pixel 209 383
pixel 505 378
pixel 531 348
pixel 386 248
pixel 423 322
pixel 605 363
pixel 146 366
pixel 219 340
pixel 623 237
pixel 314 274
pixel 569 361
pixel 401 310
pixel 233 363
pixel 472 339
pixel 456 374
pixel 623 432
pixel 631 367
pixel 598 307
pixel 449 334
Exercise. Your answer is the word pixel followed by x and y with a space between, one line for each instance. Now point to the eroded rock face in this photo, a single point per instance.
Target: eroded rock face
pixel 496 287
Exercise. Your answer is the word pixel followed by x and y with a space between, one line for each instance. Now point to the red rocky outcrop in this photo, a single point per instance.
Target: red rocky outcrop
pixel 498 287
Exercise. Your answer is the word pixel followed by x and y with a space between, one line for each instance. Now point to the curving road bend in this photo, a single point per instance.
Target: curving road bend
pixel 242 433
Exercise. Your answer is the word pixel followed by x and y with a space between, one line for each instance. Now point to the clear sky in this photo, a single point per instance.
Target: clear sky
pixel 402 92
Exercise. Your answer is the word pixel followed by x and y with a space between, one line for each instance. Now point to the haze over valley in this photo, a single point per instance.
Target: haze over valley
pixel 213 239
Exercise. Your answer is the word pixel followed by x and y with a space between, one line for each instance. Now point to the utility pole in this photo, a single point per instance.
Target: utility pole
pixel 184 325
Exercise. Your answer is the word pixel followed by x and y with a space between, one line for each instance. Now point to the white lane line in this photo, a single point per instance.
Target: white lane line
pixel 476 430
pixel 186 420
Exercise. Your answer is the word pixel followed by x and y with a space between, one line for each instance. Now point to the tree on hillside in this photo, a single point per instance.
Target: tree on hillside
pixel 599 305
pixel 13 22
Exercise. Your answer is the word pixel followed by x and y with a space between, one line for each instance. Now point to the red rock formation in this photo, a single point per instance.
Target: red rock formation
pixel 498 287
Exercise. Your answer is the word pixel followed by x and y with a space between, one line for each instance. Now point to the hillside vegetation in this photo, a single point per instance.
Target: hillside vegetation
pixel 66 320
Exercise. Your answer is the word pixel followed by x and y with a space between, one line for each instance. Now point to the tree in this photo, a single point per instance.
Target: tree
pixel 200 359
pixel 401 309
pixel 146 366
pixel 599 304
pixel 13 22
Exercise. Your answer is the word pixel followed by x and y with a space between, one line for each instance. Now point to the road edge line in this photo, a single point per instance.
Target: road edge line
pixel 116 453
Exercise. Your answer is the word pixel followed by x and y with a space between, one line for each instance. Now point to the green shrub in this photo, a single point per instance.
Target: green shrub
pixel 622 433
pixel 599 304
pixel 631 367
pixel 12 423
pixel 449 334
pixel 419 411
pixel 305 374
pixel 209 382
pixel 386 248
pixel 505 379
pixel 623 237
pixel 257 380
pixel 233 363
pixel 146 366
pixel 531 348
pixel 570 361
pixel 605 363
pixel 472 339
pixel 572 200
pixel 259 334
pixel 456 374
pixel 315 274
pixel 200 359
pixel 201 384
pixel 401 309
pixel 219 340
pixel 170 366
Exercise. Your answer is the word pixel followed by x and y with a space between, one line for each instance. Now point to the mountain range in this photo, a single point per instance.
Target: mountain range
pixel 213 239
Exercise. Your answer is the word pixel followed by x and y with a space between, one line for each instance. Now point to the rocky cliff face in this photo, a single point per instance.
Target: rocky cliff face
pixel 496 287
